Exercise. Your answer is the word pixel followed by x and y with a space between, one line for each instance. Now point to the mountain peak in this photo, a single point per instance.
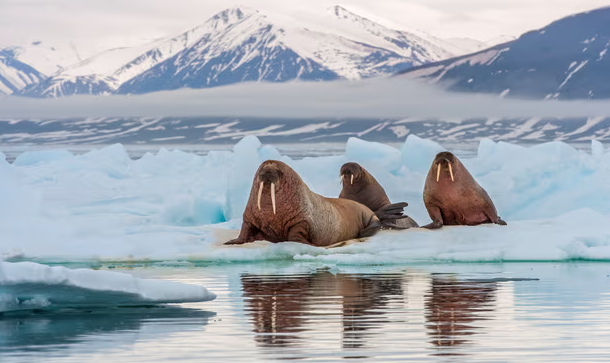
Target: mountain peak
pixel 340 12
pixel 233 14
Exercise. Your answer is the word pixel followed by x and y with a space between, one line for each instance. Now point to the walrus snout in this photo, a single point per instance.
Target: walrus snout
pixel 268 174
pixel 440 159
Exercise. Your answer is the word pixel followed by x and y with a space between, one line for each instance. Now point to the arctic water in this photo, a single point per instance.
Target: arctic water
pixel 537 289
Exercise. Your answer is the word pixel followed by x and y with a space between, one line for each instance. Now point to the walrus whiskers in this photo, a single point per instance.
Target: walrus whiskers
pixel 273 196
pixel 451 171
pixel 260 194
pixel 352 181
pixel 438 171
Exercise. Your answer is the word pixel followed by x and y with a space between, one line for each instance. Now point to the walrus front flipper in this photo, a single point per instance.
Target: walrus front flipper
pixel 437 218
pixel 501 222
pixel 246 235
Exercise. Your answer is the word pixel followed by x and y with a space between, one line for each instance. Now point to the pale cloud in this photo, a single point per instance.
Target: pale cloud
pixel 95 25
pixel 379 98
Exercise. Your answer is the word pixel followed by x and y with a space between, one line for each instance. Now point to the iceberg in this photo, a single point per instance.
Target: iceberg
pixel 32 286
pixel 171 205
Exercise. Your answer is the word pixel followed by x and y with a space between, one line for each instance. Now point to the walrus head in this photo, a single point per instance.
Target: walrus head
pixel 269 173
pixel 351 172
pixel 445 161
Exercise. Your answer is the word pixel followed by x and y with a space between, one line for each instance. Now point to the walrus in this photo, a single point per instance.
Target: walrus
pixel 452 196
pixel 282 208
pixel 360 186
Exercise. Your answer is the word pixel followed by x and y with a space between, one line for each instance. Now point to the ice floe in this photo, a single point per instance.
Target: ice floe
pixel 177 206
pixel 32 286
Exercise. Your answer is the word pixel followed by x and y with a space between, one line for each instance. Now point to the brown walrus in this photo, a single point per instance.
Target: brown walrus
pixel 452 196
pixel 360 186
pixel 282 208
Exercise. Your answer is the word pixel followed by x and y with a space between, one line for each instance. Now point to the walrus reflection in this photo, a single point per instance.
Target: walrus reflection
pixel 453 306
pixel 282 307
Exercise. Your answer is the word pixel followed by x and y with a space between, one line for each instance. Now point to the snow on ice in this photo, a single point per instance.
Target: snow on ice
pixel 176 206
pixel 29 285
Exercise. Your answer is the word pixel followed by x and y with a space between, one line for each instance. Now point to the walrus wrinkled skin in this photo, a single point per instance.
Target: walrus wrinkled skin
pixel 360 186
pixel 452 196
pixel 282 208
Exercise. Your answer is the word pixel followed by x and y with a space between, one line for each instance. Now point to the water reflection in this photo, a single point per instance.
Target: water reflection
pixel 282 308
pixel 54 331
pixel 453 307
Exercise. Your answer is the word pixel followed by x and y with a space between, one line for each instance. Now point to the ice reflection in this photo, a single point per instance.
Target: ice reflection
pixel 55 331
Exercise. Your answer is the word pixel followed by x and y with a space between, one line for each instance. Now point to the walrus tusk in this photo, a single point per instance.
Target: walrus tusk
pixel 273 196
pixel 451 171
pixel 352 181
pixel 438 171
pixel 260 194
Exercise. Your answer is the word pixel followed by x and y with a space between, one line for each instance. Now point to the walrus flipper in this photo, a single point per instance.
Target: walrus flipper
pixel 436 216
pixel 501 222
pixel 246 235
pixel 404 223
pixel 391 213
pixel 370 230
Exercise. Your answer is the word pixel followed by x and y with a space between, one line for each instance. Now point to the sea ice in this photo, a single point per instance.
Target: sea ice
pixel 177 206
pixel 29 285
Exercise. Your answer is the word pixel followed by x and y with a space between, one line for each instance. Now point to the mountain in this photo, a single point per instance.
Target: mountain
pixel 48 59
pixel 564 60
pixel 246 45
pixel 60 86
pixel 241 44
pixel 15 75
pixel 467 45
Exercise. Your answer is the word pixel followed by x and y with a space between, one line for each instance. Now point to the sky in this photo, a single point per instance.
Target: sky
pixel 375 98
pixel 96 25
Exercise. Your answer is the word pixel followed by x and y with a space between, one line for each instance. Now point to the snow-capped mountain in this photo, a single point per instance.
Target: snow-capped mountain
pixel 48 59
pixel 464 46
pixel 62 85
pixel 15 75
pixel 249 46
pixel 565 60
pixel 241 44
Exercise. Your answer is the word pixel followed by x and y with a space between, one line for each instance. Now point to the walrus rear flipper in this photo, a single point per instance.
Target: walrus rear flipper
pixel 390 214
pixel 392 211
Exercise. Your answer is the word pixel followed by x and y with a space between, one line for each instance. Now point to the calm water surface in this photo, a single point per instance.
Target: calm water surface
pixel 535 312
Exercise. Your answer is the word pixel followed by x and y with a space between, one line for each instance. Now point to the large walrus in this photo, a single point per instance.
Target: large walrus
pixel 282 208
pixel 452 196
pixel 360 186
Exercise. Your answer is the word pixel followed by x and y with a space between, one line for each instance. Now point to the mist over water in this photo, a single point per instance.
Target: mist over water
pixel 391 97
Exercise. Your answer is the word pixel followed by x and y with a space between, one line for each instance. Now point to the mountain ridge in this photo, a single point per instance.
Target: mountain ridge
pixel 342 45
pixel 564 60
